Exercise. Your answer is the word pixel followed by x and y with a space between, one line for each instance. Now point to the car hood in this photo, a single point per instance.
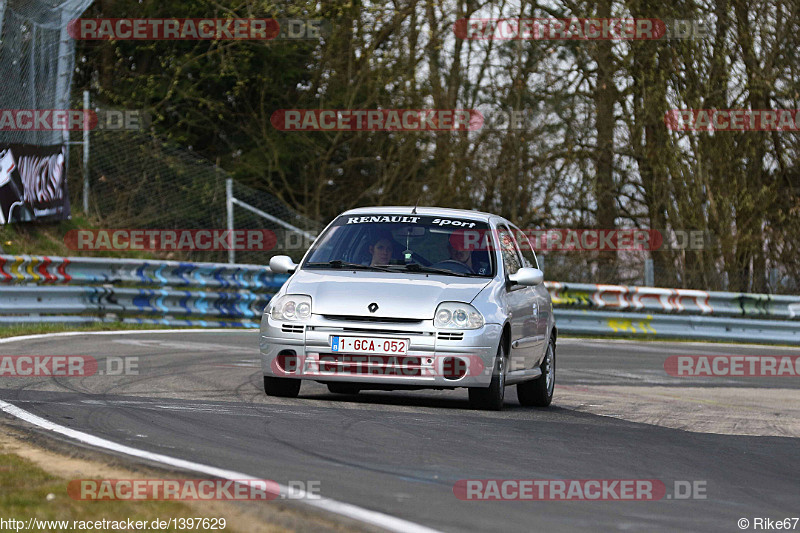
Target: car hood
pixel 400 295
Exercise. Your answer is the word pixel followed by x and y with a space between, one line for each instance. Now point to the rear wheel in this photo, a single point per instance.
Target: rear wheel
pixel 539 392
pixel 282 387
pixel 491 398
pixel 343 388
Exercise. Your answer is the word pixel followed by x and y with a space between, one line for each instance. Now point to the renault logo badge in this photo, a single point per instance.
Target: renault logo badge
pixel 372 307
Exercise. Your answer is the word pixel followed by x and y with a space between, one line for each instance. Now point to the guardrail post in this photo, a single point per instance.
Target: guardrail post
pixel 229 207
pixel 85 154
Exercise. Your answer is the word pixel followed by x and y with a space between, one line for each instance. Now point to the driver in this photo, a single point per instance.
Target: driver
pixel 462 256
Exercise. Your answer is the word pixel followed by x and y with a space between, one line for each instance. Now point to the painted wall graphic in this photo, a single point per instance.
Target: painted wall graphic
pixel 33 183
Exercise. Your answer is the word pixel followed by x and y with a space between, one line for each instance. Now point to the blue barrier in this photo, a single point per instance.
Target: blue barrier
pixel 89 289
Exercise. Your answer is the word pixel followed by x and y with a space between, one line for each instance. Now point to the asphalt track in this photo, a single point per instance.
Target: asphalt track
pixel 198 396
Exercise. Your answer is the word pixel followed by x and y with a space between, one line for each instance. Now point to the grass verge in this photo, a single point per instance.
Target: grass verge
pixel 28 491
pixel 47 238
pixel 34 481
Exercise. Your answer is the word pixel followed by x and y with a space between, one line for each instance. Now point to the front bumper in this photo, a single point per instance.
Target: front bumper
pixel 428 363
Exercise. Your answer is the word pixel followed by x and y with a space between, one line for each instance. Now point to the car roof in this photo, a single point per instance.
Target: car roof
pixel 429 211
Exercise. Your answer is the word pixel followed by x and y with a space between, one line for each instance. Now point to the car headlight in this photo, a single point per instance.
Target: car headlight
pixel 457 315
pixel 291 307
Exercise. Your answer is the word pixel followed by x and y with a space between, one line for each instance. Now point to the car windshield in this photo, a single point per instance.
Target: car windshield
pixel 403 243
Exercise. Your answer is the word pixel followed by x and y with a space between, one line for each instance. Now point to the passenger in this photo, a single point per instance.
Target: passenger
pixel 381 250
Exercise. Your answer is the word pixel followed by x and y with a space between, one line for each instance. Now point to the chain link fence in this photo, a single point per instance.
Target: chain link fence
pixel 139 182
pixel 37 59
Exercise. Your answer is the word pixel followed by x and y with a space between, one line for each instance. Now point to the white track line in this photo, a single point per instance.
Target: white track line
pixel 340 508
pixel 354 512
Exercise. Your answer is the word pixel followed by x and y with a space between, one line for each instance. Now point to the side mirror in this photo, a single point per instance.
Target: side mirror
pixel 527 276
pixel 282 264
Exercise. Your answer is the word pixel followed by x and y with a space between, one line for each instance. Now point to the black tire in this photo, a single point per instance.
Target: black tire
pixel 343 388
pixel 491 398
pixel 282 387
pixel 539 392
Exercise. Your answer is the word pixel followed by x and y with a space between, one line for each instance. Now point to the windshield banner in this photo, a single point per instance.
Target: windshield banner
pixel 442 222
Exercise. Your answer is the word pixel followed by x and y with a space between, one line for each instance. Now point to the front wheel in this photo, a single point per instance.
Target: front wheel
pixel 281 387
pixel 491 398
pixel 539 392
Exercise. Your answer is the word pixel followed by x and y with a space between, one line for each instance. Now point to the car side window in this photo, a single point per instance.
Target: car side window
pixel 508 250
pixel 525 247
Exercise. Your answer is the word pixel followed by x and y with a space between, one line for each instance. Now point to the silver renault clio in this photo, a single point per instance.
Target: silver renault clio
pixel 393 298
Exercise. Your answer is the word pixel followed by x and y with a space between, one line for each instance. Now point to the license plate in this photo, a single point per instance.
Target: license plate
pixel 374 345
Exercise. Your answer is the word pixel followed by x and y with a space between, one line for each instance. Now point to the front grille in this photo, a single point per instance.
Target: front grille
pixel 292 328
pixel 371 365
pixel 446 336
pixel 370 331
pixel 386 320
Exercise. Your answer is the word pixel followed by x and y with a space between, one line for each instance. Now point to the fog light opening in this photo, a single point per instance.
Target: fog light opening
pixel 287 361
pixel 454 368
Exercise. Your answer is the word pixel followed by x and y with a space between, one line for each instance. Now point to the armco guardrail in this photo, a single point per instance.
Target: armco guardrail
pixel 81 289
pixel 92 270
pixel 90 289
pixel 646 326
pixel 652 312
pixel 682 301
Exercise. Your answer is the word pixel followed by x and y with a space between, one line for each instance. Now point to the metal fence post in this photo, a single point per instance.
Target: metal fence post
pixel 85 154
pixel 66 47
pixel 649 273
pixel 229 207
pixel 774 279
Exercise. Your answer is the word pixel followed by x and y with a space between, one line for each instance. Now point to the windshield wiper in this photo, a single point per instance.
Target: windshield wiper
pixel 416 267
pixel 336 263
